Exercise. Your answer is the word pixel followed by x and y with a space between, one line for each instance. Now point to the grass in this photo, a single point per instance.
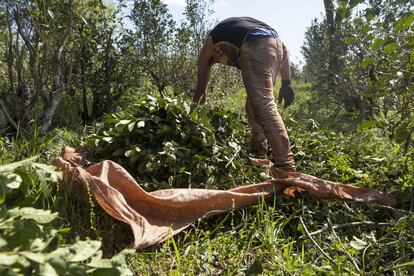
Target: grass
pixel 279 235
pixel 31 143
pixel 270 237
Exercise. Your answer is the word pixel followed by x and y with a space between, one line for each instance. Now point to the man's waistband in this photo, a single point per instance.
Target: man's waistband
pixel 259 32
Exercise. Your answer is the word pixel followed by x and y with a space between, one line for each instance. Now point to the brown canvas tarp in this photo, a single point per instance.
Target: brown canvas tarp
pixel 155 216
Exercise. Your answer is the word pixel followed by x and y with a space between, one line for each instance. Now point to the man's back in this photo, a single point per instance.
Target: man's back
pixel 234 29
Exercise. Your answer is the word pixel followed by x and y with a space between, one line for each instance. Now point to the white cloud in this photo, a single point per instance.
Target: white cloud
pixel 180 3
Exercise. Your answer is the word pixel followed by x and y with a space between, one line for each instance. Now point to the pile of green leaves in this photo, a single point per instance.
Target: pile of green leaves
pixel 30 243
pixel 170 143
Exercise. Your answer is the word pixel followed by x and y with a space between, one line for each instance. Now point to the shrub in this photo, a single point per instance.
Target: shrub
pixel 171 143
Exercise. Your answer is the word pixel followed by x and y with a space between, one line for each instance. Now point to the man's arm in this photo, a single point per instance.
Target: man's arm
pixel 285 70
pixel 286 92
pixel 205 61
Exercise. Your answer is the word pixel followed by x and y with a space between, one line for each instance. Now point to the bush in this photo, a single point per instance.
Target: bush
pixel 30 243
pixel 171 143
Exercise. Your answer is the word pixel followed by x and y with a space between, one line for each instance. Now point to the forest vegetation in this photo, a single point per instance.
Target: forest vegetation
pixel 116 80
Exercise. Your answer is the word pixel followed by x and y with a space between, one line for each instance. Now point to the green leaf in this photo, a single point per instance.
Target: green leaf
pixel 410 42
pixel 101 263
pixel 122 257
pixel 46 270
pixel 2 193
pixel 3 212
pixel 51 244
pixel 12 166
pixel 38 215
pixel 51 14
pixel 187 108
pixel 8 259
pixel 404 265
pixel 368 125
pixel 3 242
pixel 404 22
pixel 7 224
pixel 55 175
pixel 152 99
pixel 83 250
pixel 389 48
pixel 12 180
pixel 343 11
pixel 402 132
pixel 378 42
pixel 107 139
pixel 35 257
pixel 369 14
pixel 378 159
pixel 123 122
pixel 367 61
pixel 234 145
pixel 141 124
pixel 350 40
pixel 23 234
pixel 131 126
pixel 129 153
pixel 358 244
pixel 76 269
pixel 58 259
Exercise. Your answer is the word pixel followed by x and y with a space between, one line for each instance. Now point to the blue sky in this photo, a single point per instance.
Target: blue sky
pixel 289 17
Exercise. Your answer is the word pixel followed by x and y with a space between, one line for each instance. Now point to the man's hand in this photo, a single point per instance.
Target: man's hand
pixel 286 93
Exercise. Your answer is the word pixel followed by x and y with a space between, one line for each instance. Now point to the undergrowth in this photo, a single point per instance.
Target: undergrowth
pixel 170 143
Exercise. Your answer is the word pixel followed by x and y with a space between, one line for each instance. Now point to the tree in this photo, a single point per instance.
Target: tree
pixel 153 41
pixel 327 59
pixel 106 70
pixel 60 49
pixel 39 58
pixel 383 35
pixel 375 54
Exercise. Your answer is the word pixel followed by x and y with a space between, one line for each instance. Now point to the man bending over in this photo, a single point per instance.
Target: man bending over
pixel 256 49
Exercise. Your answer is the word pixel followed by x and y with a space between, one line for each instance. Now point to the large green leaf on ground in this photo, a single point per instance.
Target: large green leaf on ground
pixel 38 215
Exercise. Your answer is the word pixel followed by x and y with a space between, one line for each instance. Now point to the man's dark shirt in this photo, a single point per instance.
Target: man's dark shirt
pixel 234 29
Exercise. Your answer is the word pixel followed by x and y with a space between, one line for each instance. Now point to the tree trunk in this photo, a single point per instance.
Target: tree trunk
pixel 329 9
pixel 58 79
pixel 10 56
pixel 83 111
